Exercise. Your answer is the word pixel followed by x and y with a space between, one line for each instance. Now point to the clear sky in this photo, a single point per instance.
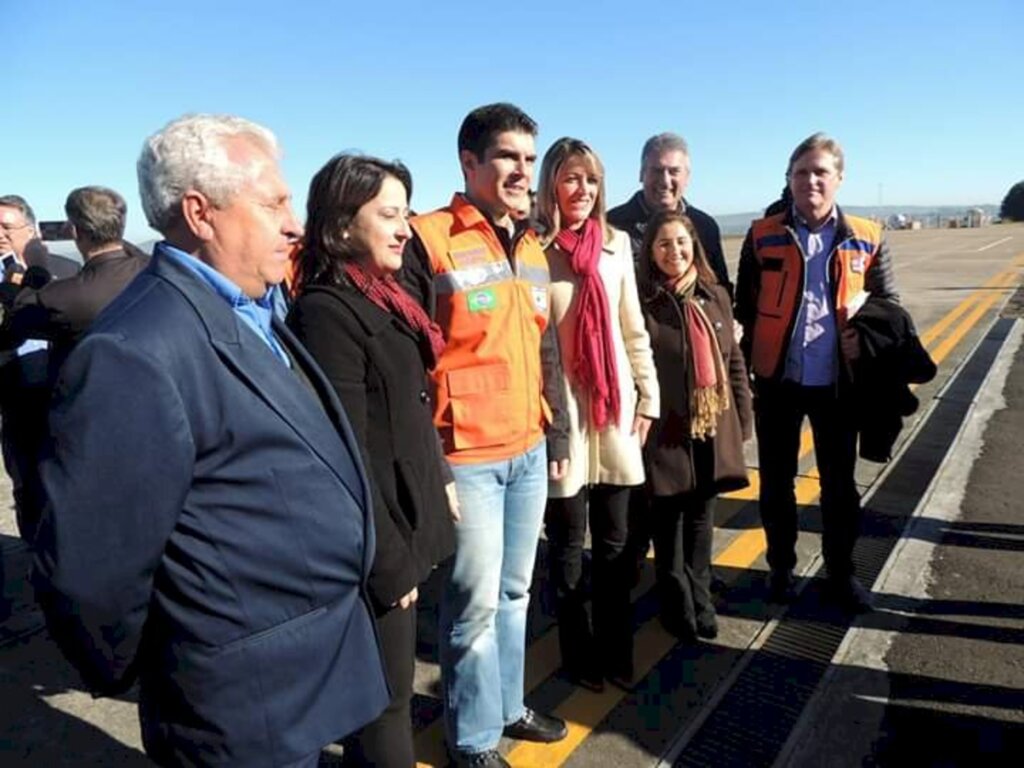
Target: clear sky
pixel 925 95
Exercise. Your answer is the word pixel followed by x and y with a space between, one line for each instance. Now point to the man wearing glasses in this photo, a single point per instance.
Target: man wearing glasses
pixel 24 390
pixel 20 246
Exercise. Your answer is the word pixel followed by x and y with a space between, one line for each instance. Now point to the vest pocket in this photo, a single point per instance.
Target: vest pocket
pixel 773 288
pixel 483 405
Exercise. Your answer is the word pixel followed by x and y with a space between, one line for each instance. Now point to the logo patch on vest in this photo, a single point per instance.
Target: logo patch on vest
pixel 540 298
pixel 857 263
pixel 482 301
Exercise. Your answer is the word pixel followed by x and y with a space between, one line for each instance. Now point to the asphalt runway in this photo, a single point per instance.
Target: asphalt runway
pixel 954 283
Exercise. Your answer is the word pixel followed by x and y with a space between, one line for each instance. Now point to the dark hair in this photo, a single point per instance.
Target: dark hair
pixel 98 214
pixel 19 202
pixel 649 274
pixel 338 190
pixel 782 204
pixel 484 123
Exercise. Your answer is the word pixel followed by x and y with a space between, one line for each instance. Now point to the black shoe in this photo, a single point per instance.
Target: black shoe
pixel 849 595
pixel 718 586
pixel 781 587
pixel 588 679
pixel 679 629
pixel 621 674
pixel 624 682
pixel 533 726
pixel 707 626
pixel 490 759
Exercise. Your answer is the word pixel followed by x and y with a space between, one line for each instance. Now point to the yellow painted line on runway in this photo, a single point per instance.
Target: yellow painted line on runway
pixel 542 661
pixel 750 493
pixel 744 550
pixel 996 281
pixel 949 343
pixel 583 710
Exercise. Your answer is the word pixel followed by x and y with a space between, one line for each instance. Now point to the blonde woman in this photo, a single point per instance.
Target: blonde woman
pixel 611 391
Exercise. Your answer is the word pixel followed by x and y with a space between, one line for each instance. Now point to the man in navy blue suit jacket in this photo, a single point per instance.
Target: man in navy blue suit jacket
pixel 208 527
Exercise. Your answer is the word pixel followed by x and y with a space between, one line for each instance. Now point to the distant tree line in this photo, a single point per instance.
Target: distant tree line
pixel 1012 208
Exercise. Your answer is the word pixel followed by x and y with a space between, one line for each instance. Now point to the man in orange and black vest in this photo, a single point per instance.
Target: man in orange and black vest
pixel 802 273
pixel 481 273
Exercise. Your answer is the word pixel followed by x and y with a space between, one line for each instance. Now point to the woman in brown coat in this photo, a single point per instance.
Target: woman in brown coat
pixel 695 449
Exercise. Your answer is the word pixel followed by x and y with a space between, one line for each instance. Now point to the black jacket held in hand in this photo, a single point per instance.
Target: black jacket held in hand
pixel 376 365
pixel 891 357
pixel 668 454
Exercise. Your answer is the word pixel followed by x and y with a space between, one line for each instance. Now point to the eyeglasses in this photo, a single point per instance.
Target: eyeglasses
pixel 14 227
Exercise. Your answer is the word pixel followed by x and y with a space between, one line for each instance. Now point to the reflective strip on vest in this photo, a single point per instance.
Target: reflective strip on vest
pixel 532 274
pixel 472 277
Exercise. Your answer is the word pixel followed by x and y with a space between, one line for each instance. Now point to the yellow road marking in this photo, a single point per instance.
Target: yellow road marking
pixel 582 709
pixel 953 315
pixel 954 338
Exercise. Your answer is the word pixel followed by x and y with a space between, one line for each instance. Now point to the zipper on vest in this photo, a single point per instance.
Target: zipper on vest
pixel 840 361
pixel 780 374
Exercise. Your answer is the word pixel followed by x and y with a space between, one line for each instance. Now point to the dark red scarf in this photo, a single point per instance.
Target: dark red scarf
pixel 594 368
pixel 387 294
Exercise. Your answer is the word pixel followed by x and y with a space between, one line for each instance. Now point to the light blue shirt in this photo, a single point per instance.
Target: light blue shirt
pixel 255 313
pixel 813 350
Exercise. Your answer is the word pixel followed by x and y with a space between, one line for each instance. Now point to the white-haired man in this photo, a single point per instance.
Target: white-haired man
pixel 208 528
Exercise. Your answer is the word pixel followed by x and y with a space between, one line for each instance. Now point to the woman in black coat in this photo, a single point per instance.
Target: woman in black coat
pixel 376 344
pixel 695 450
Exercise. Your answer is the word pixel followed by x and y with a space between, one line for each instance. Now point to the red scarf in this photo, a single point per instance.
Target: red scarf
pixel 387 294
pixel 709 381
pixel 594 368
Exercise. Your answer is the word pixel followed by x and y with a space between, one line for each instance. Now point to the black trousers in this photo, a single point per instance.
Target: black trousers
pixel 639 528
pixel 23 430
pixel 609 649
pixel 780 408
pixel 683 527
pixel 387 741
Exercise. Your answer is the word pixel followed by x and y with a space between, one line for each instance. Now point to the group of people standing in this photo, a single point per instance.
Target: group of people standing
pixel 240 510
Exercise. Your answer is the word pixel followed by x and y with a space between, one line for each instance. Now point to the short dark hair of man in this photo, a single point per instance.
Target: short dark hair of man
pixel 19 202
pixel 484 123
pixel 345 184
pixel 98 213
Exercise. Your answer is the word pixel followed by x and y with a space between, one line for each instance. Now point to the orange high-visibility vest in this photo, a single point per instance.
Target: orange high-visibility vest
pixel 781 267
pixel 488 400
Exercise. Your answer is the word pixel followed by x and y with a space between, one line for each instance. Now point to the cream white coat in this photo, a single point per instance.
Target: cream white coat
pixel 611 456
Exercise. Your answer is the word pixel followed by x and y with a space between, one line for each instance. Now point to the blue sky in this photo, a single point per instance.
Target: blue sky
pixel 924 96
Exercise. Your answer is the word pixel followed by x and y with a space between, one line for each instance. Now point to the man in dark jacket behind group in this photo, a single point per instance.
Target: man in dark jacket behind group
pixel 62 310
pixel 664 176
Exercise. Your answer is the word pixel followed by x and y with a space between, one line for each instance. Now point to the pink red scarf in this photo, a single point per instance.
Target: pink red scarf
pixel 594 368
pixel 387 294
pixel 709 382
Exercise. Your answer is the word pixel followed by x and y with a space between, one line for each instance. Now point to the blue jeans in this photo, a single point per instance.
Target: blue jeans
pixel 483 612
